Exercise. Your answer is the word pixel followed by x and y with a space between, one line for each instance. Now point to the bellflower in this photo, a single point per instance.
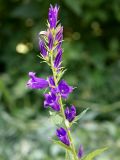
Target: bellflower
pixel 52 100
pixel 58 59
pixel 35 82
pixel 52 16
pixel 70 113
pixel 80 151
pixel 59 34
pixel 50 41
pixel 50 46
pixel 42 48
pixel 51 82
pixel 64 89
pixel 62 135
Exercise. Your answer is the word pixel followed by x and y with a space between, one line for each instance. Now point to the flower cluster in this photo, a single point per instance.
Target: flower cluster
pixel 50 47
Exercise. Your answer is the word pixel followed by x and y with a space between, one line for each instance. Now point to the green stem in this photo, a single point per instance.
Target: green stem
pixel 62 111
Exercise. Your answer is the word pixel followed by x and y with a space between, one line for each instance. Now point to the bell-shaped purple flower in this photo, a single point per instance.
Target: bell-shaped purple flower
pixel 53 15
pixel 59 34
pixel 35 82
pixel 64 89
pixel 50 41
pixel 52 100
pixel 80 152
pixel 59 46
pixel 70 113
pixel 51 82
pixel 63 137
pixel 58 59
pixel 42 48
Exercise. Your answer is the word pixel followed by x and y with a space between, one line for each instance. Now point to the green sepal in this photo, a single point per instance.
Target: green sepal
pixel 61 73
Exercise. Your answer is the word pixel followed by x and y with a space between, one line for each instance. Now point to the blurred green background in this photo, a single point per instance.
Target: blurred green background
pixel 92 58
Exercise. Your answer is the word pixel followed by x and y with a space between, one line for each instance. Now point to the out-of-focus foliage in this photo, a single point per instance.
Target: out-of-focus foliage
pixel 92 58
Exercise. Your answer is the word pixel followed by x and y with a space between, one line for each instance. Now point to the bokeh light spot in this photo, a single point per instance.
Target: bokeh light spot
pixel 22 48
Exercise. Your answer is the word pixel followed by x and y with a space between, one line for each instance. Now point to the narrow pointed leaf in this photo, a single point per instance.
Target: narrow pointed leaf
pixel 62 145
pixel 95 153
pixel 81 115
pixel 56 119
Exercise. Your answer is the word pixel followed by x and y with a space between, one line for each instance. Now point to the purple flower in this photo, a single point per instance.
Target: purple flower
pixel 64 89
pixel 58 59
pixel 80 151
pixel 52 100
pixel 70 113
pixel 51 82
pixel 59 45
pixel 35 82
pixel 62 135
pixel 59 34
pixel 50 41
pixel 53 15
pixel 42 48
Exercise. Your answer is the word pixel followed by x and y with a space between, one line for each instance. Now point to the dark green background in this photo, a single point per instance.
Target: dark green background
pixel 92 58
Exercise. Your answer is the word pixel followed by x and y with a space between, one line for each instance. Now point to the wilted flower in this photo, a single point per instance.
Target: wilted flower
pixel 52 100
pixel 35 82
pixel 80 151
pixel 64 89
pixel 62 135
pixel 53 15
pixel 70 113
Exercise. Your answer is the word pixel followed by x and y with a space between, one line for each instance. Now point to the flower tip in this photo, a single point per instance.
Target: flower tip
pixel 31 74
pixel 80 151
pixel 57 6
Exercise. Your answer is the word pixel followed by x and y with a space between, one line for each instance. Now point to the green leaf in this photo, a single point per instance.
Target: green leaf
pixel 95 153
pixel 52 113
pixel 55 118
pixel 61 144
pixel 80 115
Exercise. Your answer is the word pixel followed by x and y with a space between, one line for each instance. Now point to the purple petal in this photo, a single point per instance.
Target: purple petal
pixel 35 82
pixel 59 34
pixel 64 89
pixel 50 41
pixel 51 100
pixel 55 106
pixel 70 113
pixel 42 48
pixel 61 132
pixel 51 82
pixel 58 59
pixel 53 15
pixel 80 152
pixel 62 135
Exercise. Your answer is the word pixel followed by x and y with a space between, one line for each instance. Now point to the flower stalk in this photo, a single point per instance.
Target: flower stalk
pixel 62 110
